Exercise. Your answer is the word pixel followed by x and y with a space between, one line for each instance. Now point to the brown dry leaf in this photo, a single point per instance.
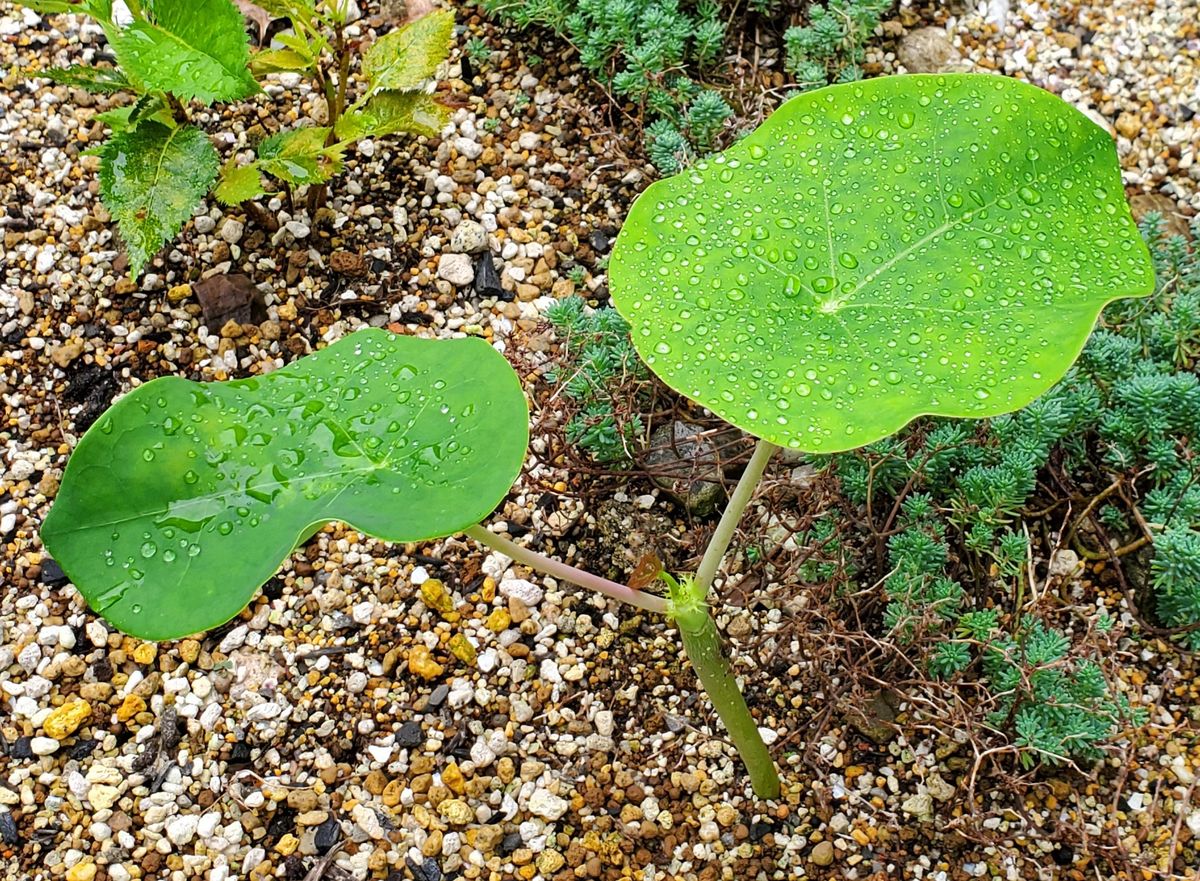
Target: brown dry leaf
pixel 646 572
pixel 256 15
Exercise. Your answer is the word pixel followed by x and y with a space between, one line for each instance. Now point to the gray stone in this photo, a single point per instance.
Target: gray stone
pixel 927 50
pixel 456 269
pixel 688 467
pixel 468 238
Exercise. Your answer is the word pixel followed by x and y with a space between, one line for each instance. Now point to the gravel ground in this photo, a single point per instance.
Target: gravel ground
pixel 432 711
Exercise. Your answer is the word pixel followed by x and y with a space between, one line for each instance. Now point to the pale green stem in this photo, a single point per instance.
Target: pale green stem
pixel 719 544
pixel 563 572
pixel 702 642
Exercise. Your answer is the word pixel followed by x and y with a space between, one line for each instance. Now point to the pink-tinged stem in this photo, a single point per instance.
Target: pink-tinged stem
pixel 563 572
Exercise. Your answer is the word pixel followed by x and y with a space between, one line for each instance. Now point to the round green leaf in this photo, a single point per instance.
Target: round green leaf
pixel 185 497
pixel 877 251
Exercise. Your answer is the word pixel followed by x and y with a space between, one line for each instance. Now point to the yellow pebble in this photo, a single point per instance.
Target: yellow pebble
pixel 145 653
pixel 434 593
pixel 84 871
pixel 462 649
pixel 421 662
pixel 453 778
pixel 498 621
pixel 287 844
pixel 130 707
pixel 63 722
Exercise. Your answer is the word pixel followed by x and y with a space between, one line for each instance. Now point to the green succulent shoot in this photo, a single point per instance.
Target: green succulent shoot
pixel 873 252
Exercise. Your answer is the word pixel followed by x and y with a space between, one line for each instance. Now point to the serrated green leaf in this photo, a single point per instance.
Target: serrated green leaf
pixel 126 117
pixel 299 156
pixel 238 184
pixel 408 56
pixel 185 497
pixel 191 48
pixel 388 112
pixel 101 80
pixel 278 61
pixel 880 250
pixel 151 179
pixel 48 7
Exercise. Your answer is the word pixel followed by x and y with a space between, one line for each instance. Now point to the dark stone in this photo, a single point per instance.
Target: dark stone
pixel 438 696
pixel 599 241
pixel 21 749
pixel 876 720
pixel 101 670
pixel 83 748
pixel 8 829
pixel 294 868
pixel 94 388
pixel 282 822
pixel 510 843
pixel 1063 855
pixel 410 735
pixel 487 280
pixel 688 465
pixel 52 574
pixel 426 870
pixel 327 835
pixel 240 753
pixel 759 831
pixel 231 297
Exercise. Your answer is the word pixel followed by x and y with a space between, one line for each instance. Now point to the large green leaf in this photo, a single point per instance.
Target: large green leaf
pixel 190 48
pixel 151 179
pixel 386 113
pixel 405 58
pixel 880 250
pixel 299 156
pixel 185 497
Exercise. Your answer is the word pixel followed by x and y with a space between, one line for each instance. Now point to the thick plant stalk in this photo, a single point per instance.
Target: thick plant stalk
pixel 702 642
pixel 726 528
pixel 563 572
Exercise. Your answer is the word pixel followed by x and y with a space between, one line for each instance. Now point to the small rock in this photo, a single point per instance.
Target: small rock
pixel 62 356
pixel 919 806
pixel 348 263
pixel 410 734
pixel 456 812
pixel 182 829
pixel 521 589
pixel 468 237
pixel 82 871
pixel 686 464
pixel 927 50
pixel 487 280
pixel 822 854
pixel 456 269
pixel 43 746
pixel 1128 125
pixel 65 720
pixel 232 230
pixel 421 662
pixel 547 805
pixel 102 796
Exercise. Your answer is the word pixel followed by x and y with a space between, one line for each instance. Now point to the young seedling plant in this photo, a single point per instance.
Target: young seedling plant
pixel 873 252
pixel 157 165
